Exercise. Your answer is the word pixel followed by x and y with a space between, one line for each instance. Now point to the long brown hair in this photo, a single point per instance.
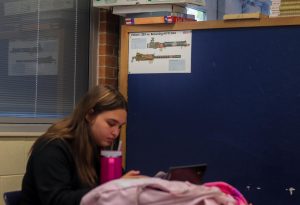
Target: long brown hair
pixel 75 129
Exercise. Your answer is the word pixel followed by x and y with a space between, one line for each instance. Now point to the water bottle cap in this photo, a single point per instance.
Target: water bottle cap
pixel 111 153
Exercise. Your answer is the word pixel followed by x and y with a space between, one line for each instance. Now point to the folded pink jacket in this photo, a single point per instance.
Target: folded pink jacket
pixel 156 191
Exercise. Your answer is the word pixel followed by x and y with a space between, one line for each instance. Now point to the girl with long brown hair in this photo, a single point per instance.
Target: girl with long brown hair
pixel 64 162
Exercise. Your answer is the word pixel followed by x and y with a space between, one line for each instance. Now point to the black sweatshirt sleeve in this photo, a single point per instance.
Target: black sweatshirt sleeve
pixel 55 176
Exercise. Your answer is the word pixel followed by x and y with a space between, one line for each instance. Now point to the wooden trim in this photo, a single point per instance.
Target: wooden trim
pixel 123 83
pixel 239 23
pixel 20 134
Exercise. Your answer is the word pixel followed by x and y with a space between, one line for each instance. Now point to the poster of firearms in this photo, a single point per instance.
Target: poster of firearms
pixel 31 57
pixel 160 52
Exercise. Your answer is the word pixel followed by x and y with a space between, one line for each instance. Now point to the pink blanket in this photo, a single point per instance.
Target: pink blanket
pixel 157 191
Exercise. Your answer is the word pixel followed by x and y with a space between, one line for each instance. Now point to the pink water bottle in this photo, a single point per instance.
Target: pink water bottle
pixel 111 165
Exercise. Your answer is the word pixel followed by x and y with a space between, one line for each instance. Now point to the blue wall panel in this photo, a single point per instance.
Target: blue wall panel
pixel 238 111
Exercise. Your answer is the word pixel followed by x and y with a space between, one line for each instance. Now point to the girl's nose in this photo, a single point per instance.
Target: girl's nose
pixel 116 132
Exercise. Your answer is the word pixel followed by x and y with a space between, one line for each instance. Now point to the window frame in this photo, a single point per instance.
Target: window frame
pixel 13 126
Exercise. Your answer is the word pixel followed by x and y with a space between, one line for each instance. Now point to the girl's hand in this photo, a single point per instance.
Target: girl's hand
pixel 133 174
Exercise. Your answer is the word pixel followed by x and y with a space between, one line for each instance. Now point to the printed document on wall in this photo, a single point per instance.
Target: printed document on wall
pixel 28 58
pixel 160 52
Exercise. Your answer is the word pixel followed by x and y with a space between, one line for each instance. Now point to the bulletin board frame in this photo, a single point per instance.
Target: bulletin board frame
pixel 275 147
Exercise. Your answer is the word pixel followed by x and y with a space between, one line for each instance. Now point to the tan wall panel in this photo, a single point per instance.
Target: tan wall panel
pixel 10 183
pixel 12 156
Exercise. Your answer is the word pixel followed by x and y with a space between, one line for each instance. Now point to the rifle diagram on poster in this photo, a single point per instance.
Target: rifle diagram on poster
pixel 29 58
pixel 160 52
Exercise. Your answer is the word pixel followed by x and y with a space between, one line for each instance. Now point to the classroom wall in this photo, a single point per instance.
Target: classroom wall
pixel 13 159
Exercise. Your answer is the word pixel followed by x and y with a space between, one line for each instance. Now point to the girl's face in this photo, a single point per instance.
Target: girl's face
pixel 105 127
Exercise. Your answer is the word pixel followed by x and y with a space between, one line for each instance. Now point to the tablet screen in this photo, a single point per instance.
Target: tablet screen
pixel 191 173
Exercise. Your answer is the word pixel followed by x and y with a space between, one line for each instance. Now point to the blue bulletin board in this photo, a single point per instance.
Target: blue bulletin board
pixel 238 111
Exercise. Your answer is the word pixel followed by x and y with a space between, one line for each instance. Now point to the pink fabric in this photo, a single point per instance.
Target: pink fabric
pixel 146 191
pixel 228 189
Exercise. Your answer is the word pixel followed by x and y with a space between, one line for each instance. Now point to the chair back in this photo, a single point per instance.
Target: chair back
pixel 12 197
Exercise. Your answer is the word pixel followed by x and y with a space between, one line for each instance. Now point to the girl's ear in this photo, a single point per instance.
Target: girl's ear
pixel 89 116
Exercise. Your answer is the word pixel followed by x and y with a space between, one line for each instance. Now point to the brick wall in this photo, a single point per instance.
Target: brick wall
pixel 109 26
